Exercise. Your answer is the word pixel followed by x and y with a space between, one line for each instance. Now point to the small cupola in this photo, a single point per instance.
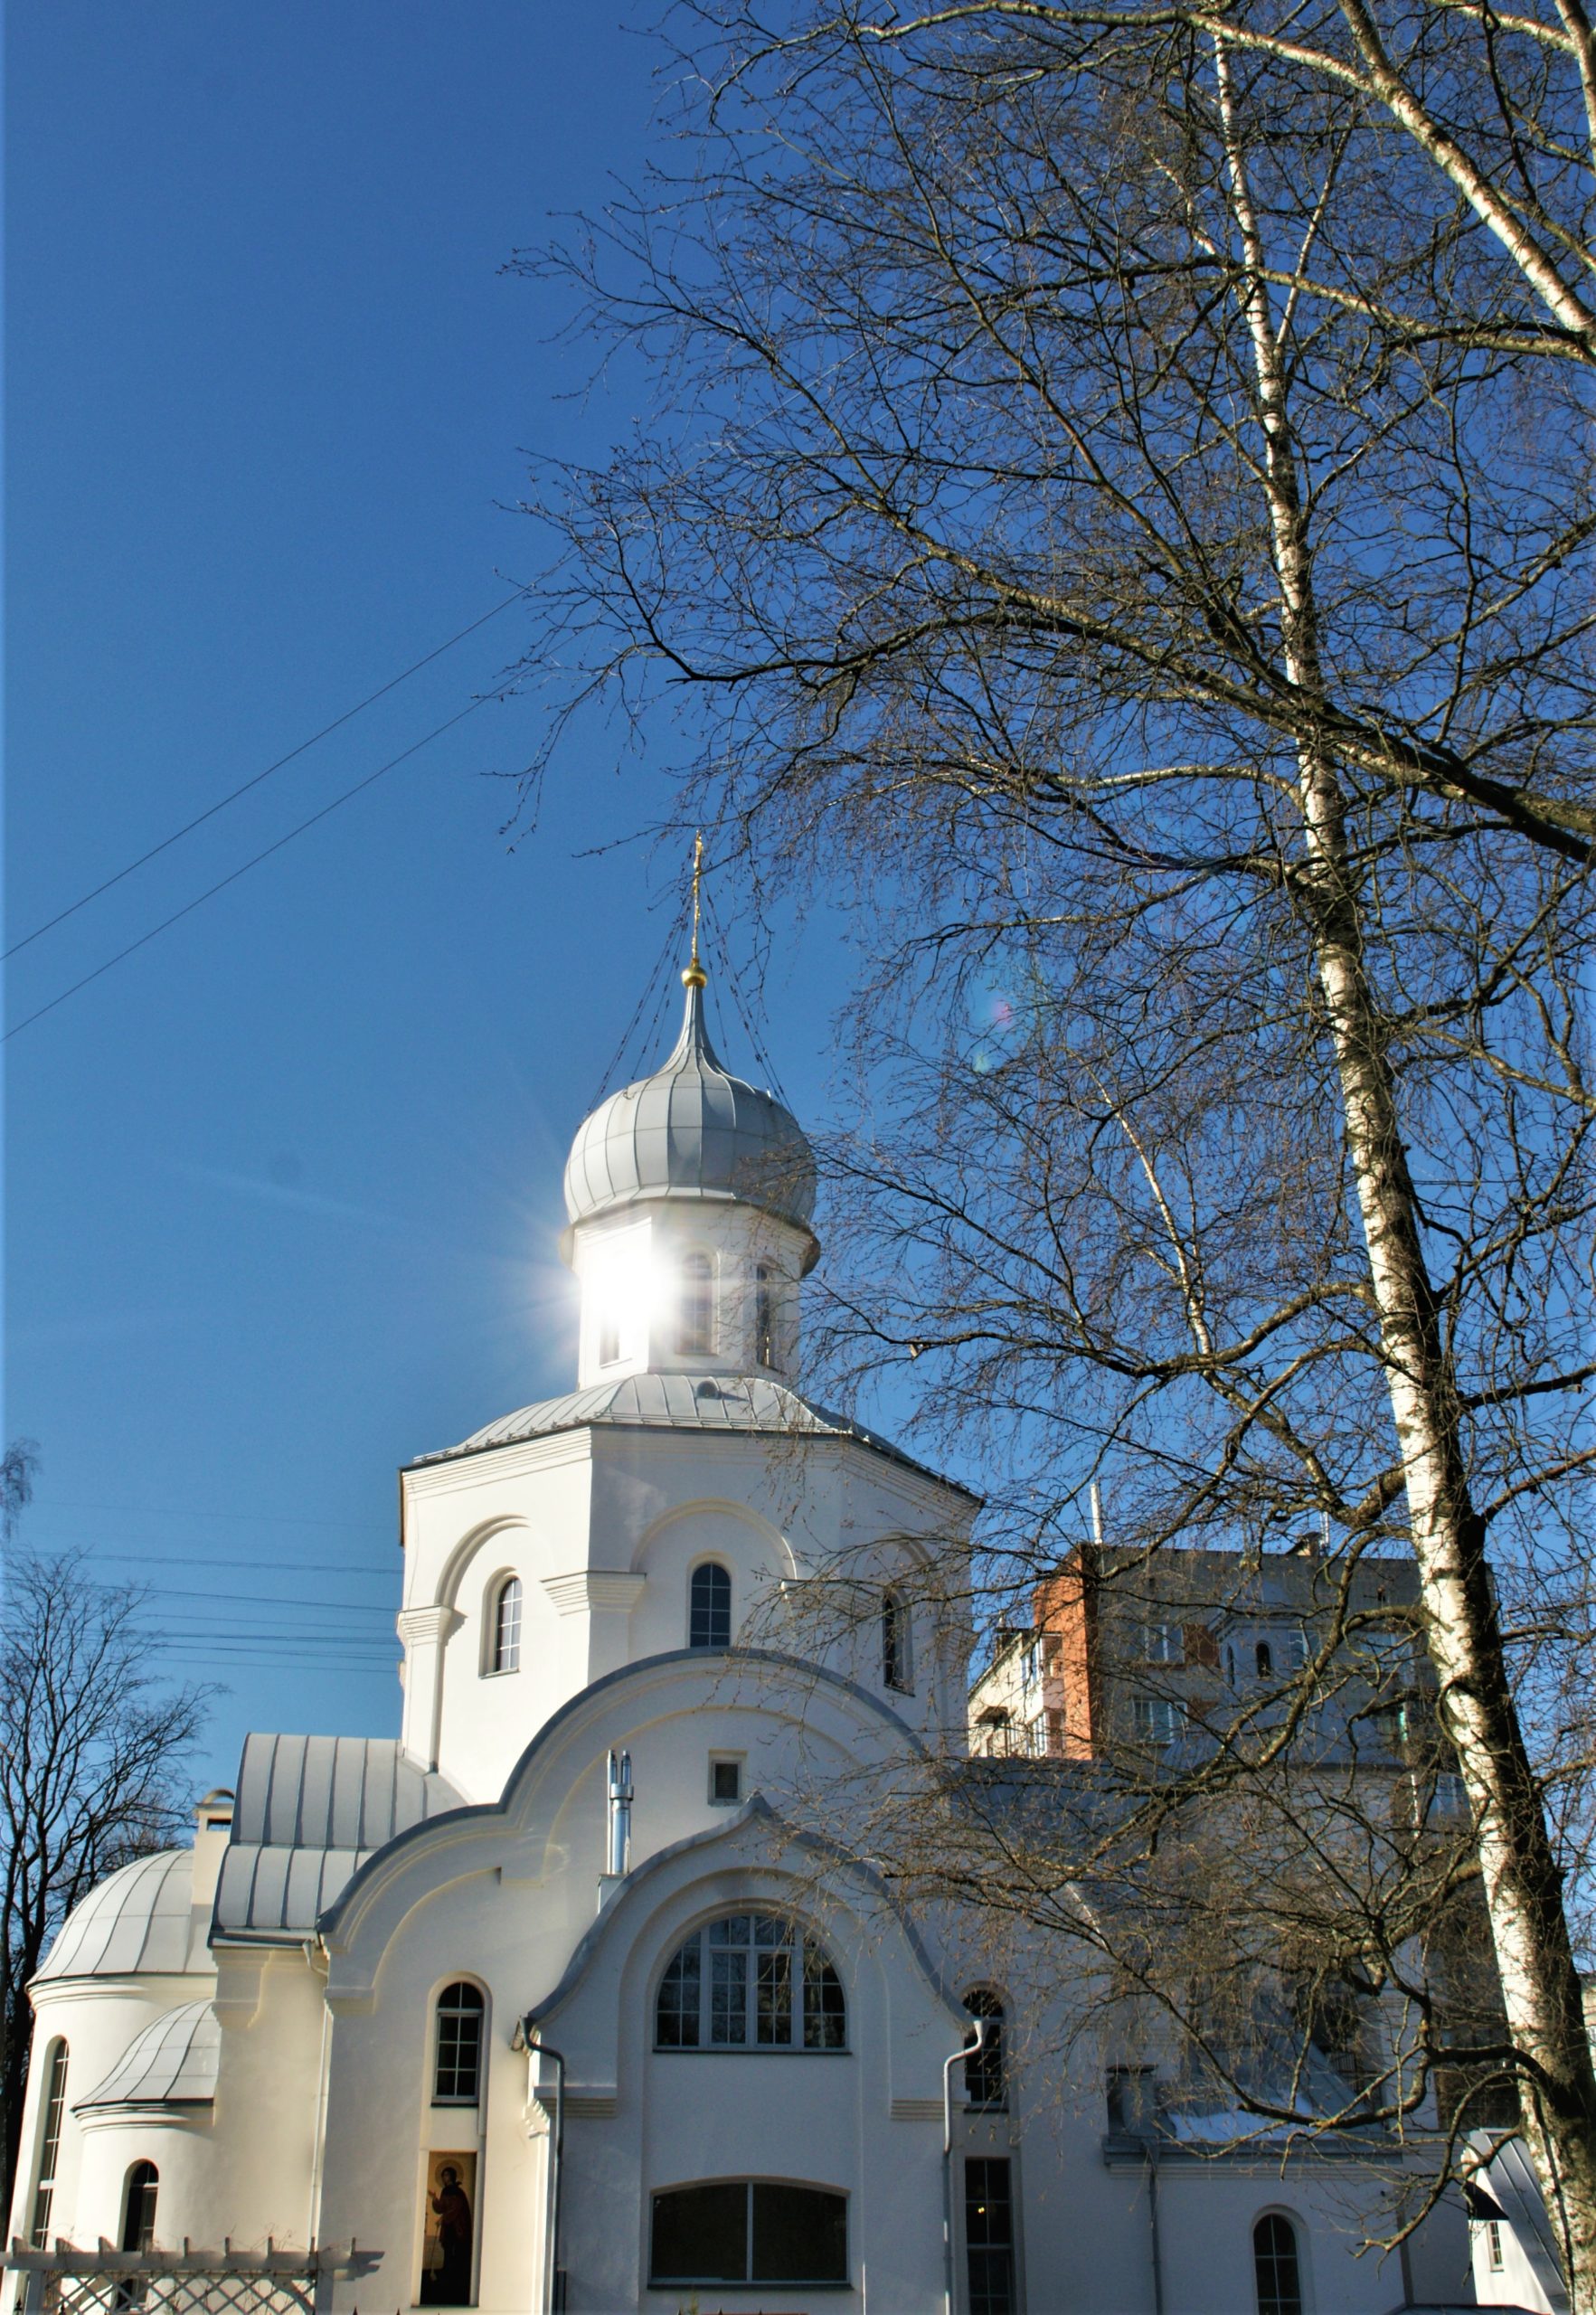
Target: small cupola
pixel 690 1193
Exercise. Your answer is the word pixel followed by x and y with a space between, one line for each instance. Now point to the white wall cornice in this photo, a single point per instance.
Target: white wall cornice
pixel 416 1626
pixel 590 1589
pixel 491 1466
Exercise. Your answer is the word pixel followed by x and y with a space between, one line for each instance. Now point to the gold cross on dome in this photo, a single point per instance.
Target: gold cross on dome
pixel 695 977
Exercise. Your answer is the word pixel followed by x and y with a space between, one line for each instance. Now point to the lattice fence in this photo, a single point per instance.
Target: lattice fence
pixel 66 2281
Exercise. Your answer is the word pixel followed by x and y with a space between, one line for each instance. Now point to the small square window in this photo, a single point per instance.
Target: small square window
pixel 725 1782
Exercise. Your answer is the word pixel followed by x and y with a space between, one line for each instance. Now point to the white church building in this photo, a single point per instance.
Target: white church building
pixel 551 2001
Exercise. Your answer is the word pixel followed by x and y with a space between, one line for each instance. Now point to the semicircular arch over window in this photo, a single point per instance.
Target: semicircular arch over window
pixel 750 1981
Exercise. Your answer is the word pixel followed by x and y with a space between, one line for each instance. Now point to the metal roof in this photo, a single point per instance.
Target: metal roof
pixel 140 1921
pixel 309 1811
pixel 1509 2176
pixel 691 1130
pixel 748 1403
pixel 173 2063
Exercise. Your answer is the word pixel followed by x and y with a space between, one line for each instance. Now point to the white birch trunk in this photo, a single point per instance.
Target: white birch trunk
pixel 1522 1882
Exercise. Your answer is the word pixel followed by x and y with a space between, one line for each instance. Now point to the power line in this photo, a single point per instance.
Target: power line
pixel 221 804
pixel 169 1511
pixel 210 893
pixel 257 1565
pixel 274 1600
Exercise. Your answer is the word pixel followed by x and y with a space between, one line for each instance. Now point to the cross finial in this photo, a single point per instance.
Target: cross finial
pixel 694 976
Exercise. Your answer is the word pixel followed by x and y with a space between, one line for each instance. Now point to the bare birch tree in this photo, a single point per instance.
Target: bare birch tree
pixel 1120 502
pixel 92 1749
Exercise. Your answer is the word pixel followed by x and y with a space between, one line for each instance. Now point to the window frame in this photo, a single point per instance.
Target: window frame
pixel 1163 1641
pixel 150 2187
pixel 47 2154
pixel 455 2102
pixel 993 2061
pixel 737 1761
pixel 992 2297
pixel 1146 1714
pixel 765 1276
pixel 798 1943
pixel 494 1648
pixel 707 1568
pixel 750 2280
pixel 698 1327
pixel 897 1643
pixel 1274 2304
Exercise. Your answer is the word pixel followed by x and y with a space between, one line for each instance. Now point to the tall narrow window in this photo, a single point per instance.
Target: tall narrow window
pixel 55 2102
pixel 138 2209
pixel 989 2236
pixel 696 1331
pixel 709 1607
pixel 608 1339
pixel 983 2073
pixel 1275 2267
pixel 896 1671
pixel 457 2076
pixel 764 1316
pixel 507 1626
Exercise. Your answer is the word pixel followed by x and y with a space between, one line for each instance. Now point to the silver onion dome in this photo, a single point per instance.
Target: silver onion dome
pixel 691 1130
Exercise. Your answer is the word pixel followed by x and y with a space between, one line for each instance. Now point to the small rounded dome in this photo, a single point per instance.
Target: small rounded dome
pixel 140 1921
pixel 692 1129
pixel 172 2063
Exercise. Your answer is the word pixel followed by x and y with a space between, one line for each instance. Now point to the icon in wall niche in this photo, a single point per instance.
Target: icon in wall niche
pixel 452 2217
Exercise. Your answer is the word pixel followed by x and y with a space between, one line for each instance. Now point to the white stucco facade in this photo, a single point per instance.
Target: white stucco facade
pixel 555 1613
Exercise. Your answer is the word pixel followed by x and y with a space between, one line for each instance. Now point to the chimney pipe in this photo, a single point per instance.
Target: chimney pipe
pixel 621 1813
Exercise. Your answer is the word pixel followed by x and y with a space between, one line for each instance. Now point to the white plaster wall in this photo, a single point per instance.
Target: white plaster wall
pixel 98 2017
pixel 631 1512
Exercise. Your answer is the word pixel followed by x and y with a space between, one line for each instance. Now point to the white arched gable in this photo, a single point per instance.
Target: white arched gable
pixel 552 1796
pixel 903 2019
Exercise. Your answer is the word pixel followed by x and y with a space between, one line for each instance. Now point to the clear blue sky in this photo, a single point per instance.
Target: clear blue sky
pixel 281 1189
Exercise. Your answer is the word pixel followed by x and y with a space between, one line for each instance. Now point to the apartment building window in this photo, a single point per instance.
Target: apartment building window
pixel 1154 1720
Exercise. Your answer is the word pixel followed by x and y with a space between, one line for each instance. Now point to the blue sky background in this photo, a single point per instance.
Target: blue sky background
pixel 281 1189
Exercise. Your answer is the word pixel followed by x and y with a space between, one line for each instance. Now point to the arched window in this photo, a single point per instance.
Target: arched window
pixel 696 1330
pixel 139 2208
pixel 456 2071
pixel 897 1670
pixel 55 2105
pixel 764 1316
pixel 504 1649
pixel 1276 2267
pixel 1264 1658
pixel 984 2084
pixel 750 1981
pixel 708 1606
pixel 748 2230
